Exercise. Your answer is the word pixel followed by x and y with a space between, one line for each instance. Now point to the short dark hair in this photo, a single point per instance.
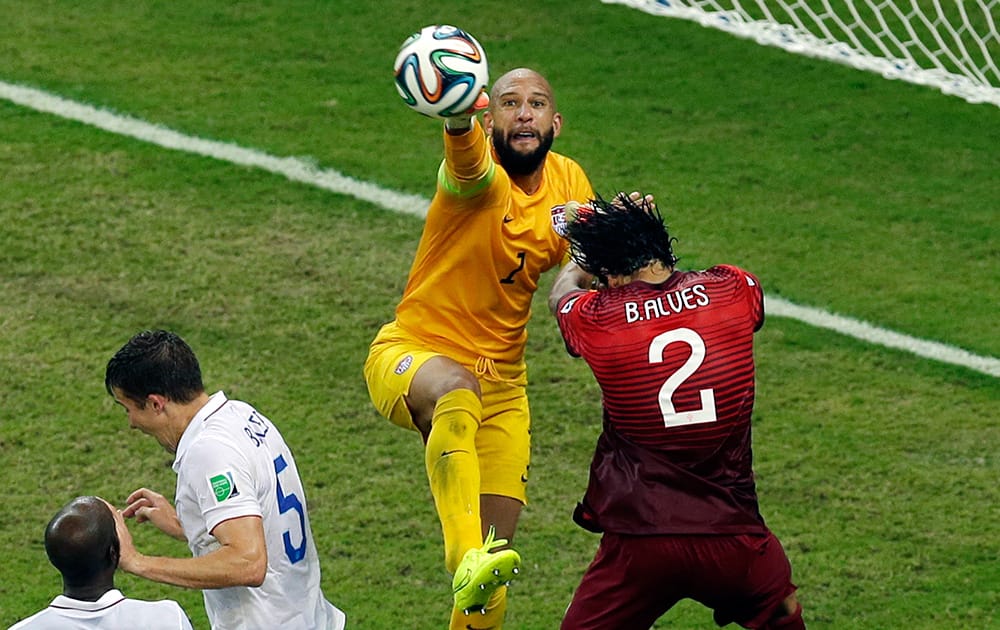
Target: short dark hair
pixel 81 541
pixel 155 362
pixel 619 237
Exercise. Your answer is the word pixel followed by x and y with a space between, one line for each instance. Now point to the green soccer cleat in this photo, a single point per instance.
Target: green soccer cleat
pixel 480 573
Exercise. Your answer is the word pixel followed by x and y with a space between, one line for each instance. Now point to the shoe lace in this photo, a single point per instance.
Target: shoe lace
pixel 491 541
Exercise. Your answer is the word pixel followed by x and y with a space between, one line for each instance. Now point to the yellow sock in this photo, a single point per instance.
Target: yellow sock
pixel 493 619
pixel 453 472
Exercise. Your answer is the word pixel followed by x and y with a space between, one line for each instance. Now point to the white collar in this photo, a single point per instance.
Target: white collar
pixel 107 600
pixel 215 402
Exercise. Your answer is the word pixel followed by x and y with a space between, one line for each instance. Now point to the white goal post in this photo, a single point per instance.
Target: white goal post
pixel 952 45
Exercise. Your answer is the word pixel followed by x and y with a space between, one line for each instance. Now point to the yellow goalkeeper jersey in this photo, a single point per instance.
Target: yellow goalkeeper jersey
pixel 484 246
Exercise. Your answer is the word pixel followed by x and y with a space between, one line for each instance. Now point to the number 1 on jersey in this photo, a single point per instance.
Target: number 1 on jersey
pixel 510 277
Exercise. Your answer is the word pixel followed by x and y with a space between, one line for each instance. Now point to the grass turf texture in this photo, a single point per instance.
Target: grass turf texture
pixel 841 190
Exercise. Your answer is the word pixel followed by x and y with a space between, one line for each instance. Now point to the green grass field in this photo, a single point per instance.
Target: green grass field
pixel 841 190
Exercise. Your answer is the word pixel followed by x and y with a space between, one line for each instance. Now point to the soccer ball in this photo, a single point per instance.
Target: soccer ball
pixel 440 71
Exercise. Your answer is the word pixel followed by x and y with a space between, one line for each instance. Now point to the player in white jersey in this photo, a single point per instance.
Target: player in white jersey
pixel 112 611
pixel 240 504
pixel 81 542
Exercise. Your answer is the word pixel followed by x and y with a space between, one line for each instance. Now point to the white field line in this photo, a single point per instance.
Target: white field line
pixel 882 336
pixel 303 171
pixel 295 169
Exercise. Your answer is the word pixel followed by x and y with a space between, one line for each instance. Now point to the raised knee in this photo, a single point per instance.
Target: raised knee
pixel 455 380
pixel 435 379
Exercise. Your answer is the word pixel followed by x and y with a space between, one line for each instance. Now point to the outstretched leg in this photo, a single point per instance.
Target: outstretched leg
pixel 445 406
pixel 453 472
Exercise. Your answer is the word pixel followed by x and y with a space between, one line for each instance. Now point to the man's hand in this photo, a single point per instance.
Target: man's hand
pixel 460 124
pixel 146 505
pixel 127 553
pixel 636 198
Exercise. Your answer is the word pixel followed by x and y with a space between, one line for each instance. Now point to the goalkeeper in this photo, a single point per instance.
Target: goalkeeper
pixel 451 365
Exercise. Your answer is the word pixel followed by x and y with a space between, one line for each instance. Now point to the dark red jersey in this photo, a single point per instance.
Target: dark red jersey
pixel 675 365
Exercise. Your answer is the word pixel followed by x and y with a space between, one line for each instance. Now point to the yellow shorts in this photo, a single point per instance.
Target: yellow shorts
pixel 503 441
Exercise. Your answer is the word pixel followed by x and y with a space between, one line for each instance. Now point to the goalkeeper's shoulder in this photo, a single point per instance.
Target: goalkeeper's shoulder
pixel 569 171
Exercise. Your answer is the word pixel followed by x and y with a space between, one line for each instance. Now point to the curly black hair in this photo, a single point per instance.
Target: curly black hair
pixel 619 237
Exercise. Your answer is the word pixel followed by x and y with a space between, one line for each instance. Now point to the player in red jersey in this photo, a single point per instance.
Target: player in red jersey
pixel 671 483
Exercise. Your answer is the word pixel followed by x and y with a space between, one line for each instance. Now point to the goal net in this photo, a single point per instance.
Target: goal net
pixel 951 45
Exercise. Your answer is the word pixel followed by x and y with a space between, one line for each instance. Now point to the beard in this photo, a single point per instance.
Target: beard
pixel 516 163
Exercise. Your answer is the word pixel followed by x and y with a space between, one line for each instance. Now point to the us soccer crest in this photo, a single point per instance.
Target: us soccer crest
pixel 559 219
pixel 563 214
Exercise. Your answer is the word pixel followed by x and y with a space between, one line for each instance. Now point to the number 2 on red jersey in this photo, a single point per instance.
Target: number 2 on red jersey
pixel 671 418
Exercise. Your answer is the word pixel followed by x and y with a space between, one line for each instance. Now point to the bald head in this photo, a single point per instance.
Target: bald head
pixel 81 542
pixel 522 76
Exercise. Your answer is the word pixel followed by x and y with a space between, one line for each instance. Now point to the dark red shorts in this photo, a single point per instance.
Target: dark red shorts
pixel 634 580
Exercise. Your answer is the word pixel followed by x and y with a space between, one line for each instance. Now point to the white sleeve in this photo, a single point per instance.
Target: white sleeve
pixel 184 623
pixel 223 481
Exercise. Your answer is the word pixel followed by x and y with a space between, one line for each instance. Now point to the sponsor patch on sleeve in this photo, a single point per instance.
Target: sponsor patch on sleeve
pixel 223 486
